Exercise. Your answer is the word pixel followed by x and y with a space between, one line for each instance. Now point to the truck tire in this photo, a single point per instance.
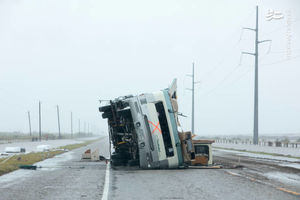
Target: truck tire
pixel 121 155
pixel 105 108
pixel 106 115
pixel 119 162
pixel 133 162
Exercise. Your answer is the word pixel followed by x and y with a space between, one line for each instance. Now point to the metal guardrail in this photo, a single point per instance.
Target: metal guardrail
pixel 261 143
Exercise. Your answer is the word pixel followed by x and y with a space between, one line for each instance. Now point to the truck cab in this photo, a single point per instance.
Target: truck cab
pixel 143 129
pixel 143 132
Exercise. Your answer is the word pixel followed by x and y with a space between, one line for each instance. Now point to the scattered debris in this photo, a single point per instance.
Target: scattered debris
pixel 14 150
pixel 32 167
pixel 95 155
pixel 65 150
pixel 237 166
pixel 92 155
pixel 102 158
pixel 206 167
pixel 43 148
pixel 86 154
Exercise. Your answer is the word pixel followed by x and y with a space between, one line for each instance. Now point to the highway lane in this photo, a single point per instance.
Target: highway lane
pixel 66 177
pixel 61 177
pixel 276 171
pixel 206 184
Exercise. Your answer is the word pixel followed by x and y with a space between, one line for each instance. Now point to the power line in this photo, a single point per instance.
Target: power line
pixel 280 27
pixel 223 80
pixel 239 77
pixel 281 52
pixel 281 61
pixel 247 71
pixel 219 64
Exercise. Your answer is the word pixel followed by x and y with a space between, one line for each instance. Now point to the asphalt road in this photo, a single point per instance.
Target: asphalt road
pixel 190 184
pixel 276 171
pixel 66 177
pixel 62 177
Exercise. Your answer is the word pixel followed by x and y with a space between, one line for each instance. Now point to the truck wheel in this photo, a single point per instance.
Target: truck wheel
pixel 118 162
pixel 106 115
pixel 133 162
pixel 105 108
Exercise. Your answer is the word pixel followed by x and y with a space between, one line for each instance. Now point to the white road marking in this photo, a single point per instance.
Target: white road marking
pixel 106 183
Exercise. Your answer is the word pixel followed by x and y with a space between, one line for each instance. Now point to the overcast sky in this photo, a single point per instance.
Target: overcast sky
pixel 75 52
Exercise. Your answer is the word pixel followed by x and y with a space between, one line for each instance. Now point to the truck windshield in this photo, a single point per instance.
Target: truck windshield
pixel 164 129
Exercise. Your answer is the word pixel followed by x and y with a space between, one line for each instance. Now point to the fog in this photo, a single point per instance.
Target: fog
pixel 73 53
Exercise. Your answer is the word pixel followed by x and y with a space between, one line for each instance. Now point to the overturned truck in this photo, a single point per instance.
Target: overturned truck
pixel 143 132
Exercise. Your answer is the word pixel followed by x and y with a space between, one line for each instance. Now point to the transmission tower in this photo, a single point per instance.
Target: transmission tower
pixel 257 42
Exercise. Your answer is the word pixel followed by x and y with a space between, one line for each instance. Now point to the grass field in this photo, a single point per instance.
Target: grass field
pixel 12 163
pixel 18 137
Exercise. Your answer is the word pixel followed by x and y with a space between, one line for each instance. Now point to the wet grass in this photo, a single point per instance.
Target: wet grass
pixel 19 137
pixel 257 152
pixel 12 163
pixel 15 161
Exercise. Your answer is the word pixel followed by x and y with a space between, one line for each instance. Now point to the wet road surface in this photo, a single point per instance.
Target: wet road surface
pixel 189 184
pixel 66 177
pixel 62 177
pixel 276 171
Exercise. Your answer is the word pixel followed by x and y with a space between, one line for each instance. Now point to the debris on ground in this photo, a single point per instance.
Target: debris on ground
pixel 32 167
pixel 95 155
pixel 86 154
pixel 205 167
pixel 102 158
pixel 14 150
pixel 43 147
pixel 92 155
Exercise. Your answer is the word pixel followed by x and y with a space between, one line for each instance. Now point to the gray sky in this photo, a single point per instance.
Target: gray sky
pixel 73 53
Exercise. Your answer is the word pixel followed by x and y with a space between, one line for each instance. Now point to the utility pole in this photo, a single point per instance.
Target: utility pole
pixel 257 42
pixel 79 127
pixel 58 122
pixel 193 97
pixel 30 133
pixel 71 125
pixel 88 128
pixel 40 122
